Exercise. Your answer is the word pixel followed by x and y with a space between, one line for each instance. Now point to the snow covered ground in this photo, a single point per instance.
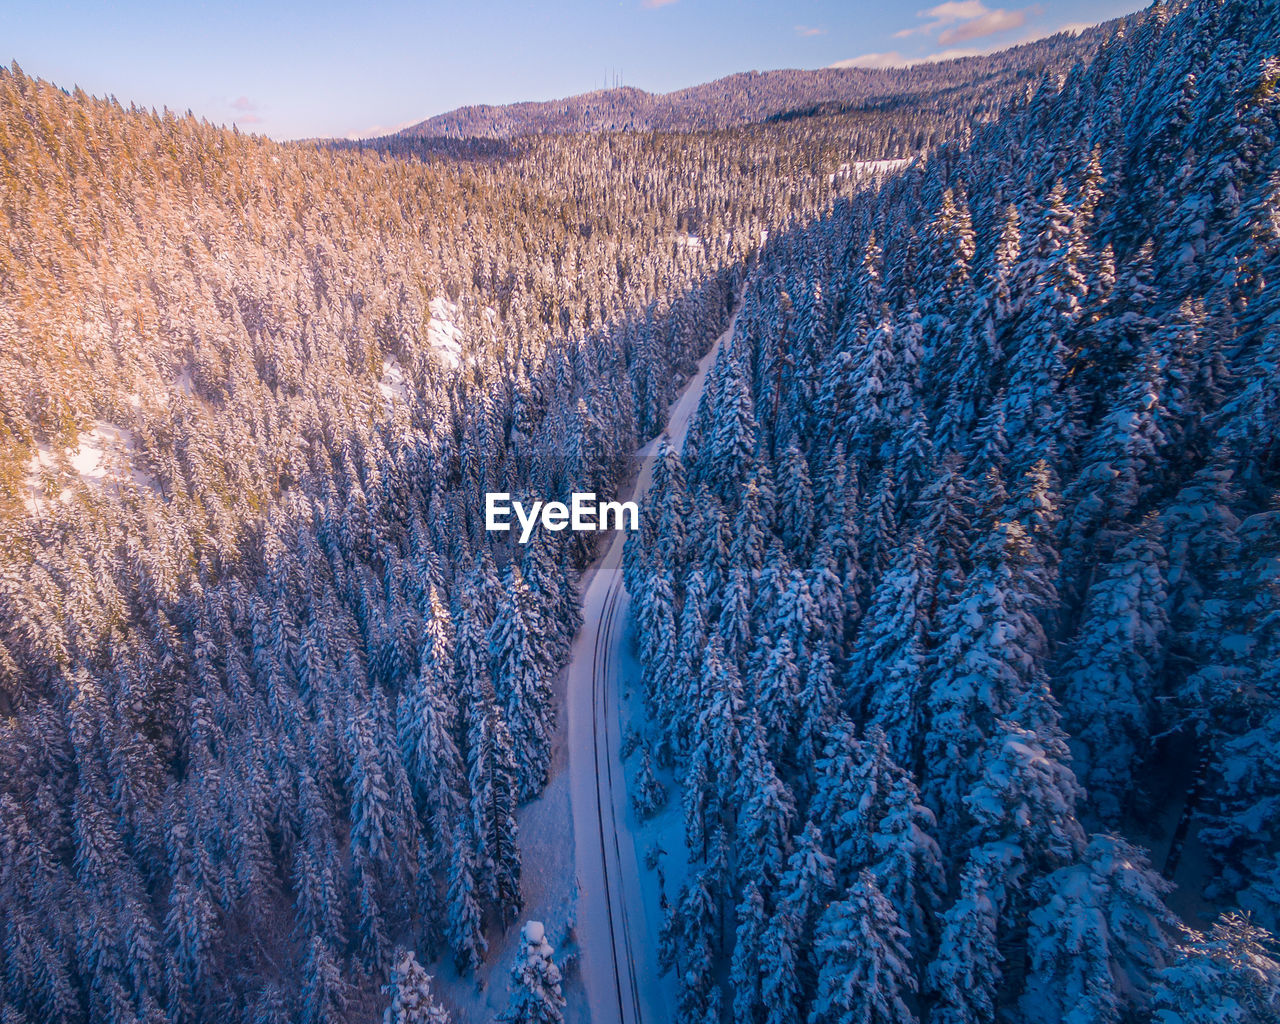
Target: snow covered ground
pixel 863 169
pixel 394 385
pixel 102 460
pixel 443 333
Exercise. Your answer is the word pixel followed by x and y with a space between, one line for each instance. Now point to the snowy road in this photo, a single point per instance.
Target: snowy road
pixel 617 926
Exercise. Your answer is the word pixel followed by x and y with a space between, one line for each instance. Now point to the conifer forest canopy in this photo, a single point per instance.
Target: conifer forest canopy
pixel 943 670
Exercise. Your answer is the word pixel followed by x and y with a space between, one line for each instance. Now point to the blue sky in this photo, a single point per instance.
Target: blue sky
pixel 294 69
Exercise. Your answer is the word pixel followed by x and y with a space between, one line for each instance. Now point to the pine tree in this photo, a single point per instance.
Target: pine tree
pixel 766 815
pixel 1040 400
pixel 1230 976
pixel 747 548
pixel 907 863
pixel 748 950
pixel 886 670
pixel 803 892
pixel 687 946
pixel 1025 798
pixel 522 685
pixel 989 658
pixel 1111 677
pixel 795 499
pixel 689 648
pixel 837 795
pixel 776 692
pixel 650 794
pixel 865 973
pixel 780 983
pixel 426 719
pixel 324 990
pixel 464 925
pixel 535 991
pixel 1098 937
pixel 735 615
pixel 733 442
pixel 492 778
pixel 412 1001
pixel 966 974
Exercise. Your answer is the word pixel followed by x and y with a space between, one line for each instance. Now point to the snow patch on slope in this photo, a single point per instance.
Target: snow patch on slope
pixel 102 461
pixel 860 170
pixel 394 384
pixel 443 333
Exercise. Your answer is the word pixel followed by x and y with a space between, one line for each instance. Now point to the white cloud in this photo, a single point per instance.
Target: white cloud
pixel 378 130
pixel 989 24
pixel 245 111
pixel 894 59
pixel 959 21
pixel 809 30
pixel 945 14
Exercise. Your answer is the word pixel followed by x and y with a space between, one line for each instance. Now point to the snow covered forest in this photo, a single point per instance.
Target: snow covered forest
pixel 968 573
pixel 958 609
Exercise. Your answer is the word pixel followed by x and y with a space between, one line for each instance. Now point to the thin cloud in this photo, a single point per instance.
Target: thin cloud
pixel 989 24
pixel 894 59
pixel 377 131
pixel 654 4
pixel 245 111
pixel 945 14
pixel 808 31
pixel 962 21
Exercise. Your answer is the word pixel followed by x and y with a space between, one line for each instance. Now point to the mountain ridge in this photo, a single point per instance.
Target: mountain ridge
pixel 747 97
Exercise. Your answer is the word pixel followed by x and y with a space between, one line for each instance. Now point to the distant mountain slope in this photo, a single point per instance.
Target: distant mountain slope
pixel 754 96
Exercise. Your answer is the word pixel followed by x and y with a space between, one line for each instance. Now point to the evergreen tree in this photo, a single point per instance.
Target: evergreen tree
pixel 1230 976
pixel 412 1001
pixel 650 794
pixel 748 951
pixel 989 658
pixel 1098 936
pixel 965 974
pixel 324 990
pixel 887 668
pixel 522 685
pixel 535 993
pixel 1112 672
pixel 866 968
pixel 464 925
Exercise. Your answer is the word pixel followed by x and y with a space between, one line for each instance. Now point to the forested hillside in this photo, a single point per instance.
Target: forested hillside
pixel 270 693
pixel 958 609
pixel 966 582
pixel 953 87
